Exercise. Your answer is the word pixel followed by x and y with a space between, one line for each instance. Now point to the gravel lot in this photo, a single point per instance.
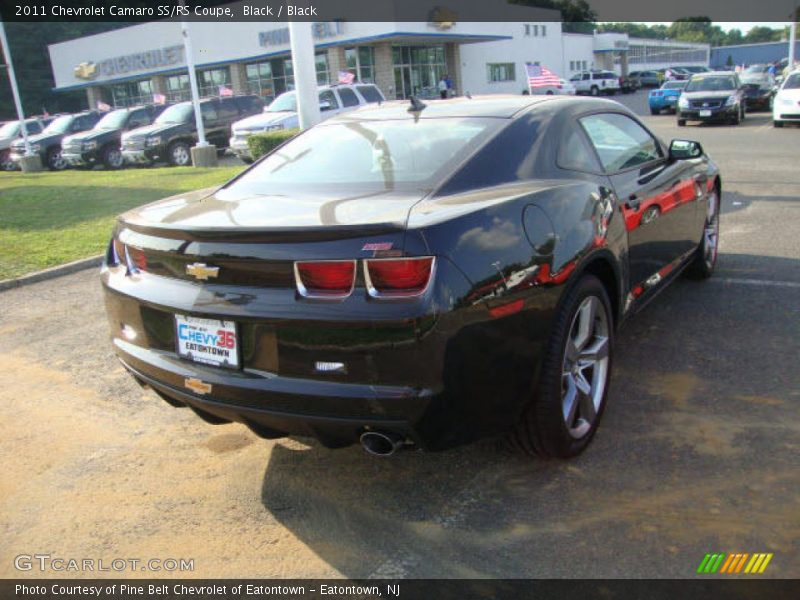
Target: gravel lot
pixel 698 451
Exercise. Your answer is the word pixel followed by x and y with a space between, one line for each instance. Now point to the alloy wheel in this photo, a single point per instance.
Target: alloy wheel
pixel 57 161
pixel 711 231
pixel 180 155
pixel 585 367
pixel 114 158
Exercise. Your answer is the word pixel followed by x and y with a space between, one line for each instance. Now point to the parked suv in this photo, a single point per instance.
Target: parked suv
pixel 595 83
pixel 9 133
pixel 174 132
pixel 101 145
pixel 282 113
pixel 647 78
pixel 48 143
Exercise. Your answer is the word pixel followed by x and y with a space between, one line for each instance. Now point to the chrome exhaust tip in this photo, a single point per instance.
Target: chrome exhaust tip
pixel 379 443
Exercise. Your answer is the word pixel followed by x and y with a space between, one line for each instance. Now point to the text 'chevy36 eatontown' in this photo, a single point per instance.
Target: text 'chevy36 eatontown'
pixel 415 275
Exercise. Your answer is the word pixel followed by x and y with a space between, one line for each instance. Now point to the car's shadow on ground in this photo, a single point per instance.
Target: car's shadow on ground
pixel 675 464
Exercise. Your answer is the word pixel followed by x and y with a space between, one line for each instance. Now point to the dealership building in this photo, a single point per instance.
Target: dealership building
pixel 128 66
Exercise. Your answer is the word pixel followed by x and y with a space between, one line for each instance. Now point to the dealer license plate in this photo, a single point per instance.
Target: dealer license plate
pixel 705 113
pixel 208 341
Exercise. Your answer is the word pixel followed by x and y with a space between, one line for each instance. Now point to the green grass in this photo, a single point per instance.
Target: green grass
pixel 48 219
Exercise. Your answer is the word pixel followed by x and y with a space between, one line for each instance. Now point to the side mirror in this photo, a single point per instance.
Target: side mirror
pixel 684 150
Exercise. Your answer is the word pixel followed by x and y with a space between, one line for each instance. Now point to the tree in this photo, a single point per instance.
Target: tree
pixel 762 34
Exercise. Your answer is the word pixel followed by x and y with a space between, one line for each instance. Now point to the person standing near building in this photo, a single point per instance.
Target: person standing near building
pixel 450 91
pixel 443 87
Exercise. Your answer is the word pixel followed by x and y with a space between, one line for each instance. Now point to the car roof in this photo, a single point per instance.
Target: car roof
pixel 490 106
pixel 498 106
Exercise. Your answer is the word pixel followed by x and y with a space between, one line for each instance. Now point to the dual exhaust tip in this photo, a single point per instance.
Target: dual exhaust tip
pixel 381 443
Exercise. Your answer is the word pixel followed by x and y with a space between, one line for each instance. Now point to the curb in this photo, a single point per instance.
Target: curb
pixel 52 273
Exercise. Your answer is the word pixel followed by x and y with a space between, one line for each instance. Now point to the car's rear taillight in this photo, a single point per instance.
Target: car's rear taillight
pixel 132 258
pixel 397 277
pixel 325 278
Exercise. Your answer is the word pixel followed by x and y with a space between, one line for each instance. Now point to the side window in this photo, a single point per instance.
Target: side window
pixel 370 93
pixel 586 76
pixel 208 112
pixel 139 118
pixel 330 98
pixel 228 110
pixel 348 97
pixel 621 143
pixel 33 127
pixel 249 105
pixel 575 154
pixel 83 123
pixel 575 78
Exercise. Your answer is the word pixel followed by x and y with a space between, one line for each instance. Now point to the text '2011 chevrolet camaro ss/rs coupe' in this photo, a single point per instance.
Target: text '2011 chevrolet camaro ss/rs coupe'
pixel 415 274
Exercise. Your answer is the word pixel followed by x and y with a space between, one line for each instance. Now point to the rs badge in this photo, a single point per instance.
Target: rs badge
pixel 201 271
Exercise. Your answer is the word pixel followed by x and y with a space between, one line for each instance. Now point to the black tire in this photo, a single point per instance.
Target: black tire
pixel 246 160
pixel 737 120
pixel 594 91
pixel 543 429
pixel 655 111
pixel 705 257
pixel 112 157
pixel 6 164
pixel 55 162
pixel 777 123
pixel 681 122
pixel 179 154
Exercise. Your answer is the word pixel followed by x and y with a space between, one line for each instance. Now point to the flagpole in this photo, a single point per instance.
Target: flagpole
pixel 14 89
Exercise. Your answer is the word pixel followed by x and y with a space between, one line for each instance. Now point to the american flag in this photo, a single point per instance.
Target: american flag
pixel 346 77
pixel 224 91
pixel 159 99
pixel 539 76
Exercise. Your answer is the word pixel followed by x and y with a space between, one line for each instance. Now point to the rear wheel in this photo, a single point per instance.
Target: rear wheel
pixel 777 123
pixel 112 157
pixel 681 122
pixel 705 259
pixel 566 408
pixel 179 154
pixel 55 162
pixel 594 91
pixel 655 111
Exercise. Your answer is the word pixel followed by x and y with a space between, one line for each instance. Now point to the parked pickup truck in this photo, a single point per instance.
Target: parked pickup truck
pixel 282 113
pixel 48 143
pixel 11 132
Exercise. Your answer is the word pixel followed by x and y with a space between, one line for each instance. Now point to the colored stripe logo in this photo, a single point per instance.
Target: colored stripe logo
pixel 742 562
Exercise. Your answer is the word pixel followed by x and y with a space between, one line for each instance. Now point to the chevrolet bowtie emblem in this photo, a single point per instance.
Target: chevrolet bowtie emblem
pixel 85 70
pixel 197 386
pixel 201 271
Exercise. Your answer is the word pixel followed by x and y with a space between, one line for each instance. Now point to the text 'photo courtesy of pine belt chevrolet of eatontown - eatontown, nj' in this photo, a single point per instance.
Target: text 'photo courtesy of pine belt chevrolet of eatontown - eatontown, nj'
pixel 368 299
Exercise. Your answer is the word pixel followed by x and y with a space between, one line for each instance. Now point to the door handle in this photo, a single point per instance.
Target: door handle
pixel 633 202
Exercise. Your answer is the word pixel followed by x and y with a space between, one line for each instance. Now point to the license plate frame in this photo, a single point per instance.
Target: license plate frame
pixel 705 113
pixel 208 341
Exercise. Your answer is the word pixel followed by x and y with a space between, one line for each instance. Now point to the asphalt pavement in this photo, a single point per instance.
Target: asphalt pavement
pixel 698 449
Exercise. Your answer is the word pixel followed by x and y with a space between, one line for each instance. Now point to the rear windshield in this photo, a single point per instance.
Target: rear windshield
pixel 383 155
pixel 701 83
pixel 370 93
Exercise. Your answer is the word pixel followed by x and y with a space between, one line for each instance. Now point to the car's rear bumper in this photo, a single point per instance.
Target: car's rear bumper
pixel 436 375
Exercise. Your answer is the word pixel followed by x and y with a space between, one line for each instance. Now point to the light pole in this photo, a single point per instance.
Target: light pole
pixel 29 162
pixel 203 154
pixel 792 34
pixel 305 73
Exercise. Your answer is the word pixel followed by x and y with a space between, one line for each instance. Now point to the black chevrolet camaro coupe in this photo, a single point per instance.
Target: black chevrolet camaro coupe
pixel 415 275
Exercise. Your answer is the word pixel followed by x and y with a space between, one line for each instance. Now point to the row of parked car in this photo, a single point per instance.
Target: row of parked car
pixel 725 96
pixel 145 135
